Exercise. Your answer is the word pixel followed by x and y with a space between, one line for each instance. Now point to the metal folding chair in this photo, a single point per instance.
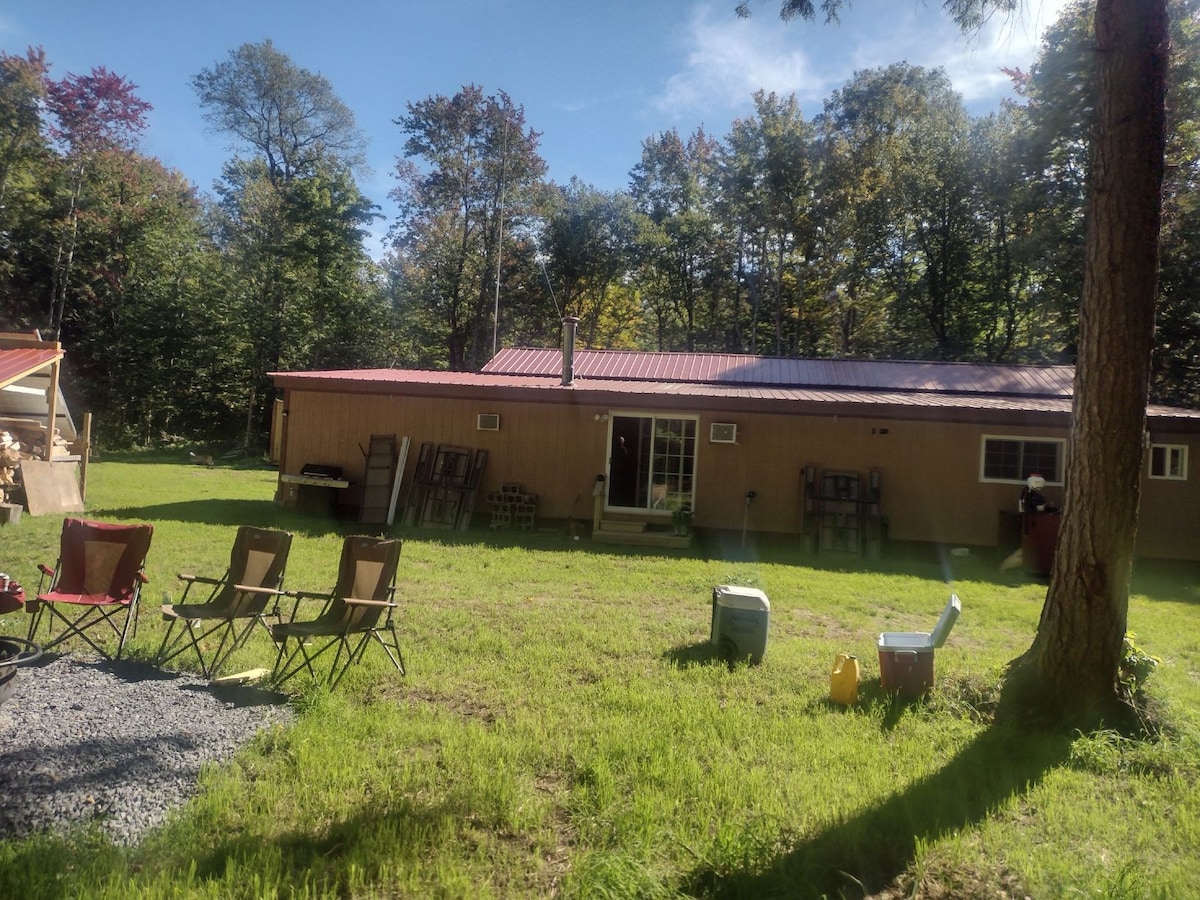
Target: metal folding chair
pixel 359 610
pixel 244 597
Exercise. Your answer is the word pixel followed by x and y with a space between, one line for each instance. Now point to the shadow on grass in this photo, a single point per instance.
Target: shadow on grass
pixel 233 513
pixel 864 853
pixel 328 862
pixel 702 653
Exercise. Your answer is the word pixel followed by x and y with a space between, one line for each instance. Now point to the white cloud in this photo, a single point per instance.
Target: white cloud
pixel 726 59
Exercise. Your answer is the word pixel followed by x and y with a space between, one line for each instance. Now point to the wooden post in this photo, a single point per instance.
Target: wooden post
pixel 597 502
pixel 85 452
pixel 51 410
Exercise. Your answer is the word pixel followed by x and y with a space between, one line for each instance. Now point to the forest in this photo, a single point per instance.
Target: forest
pixel 891 223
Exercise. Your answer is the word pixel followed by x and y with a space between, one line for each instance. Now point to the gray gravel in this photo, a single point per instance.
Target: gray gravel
pixel 119 744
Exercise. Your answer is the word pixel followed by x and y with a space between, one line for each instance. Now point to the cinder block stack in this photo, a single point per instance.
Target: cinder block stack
pixel 513 508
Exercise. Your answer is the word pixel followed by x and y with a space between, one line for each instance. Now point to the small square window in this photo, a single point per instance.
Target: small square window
pixel 1168 461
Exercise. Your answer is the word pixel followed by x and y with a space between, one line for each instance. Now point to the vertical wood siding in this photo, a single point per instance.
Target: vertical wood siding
pixel 931 490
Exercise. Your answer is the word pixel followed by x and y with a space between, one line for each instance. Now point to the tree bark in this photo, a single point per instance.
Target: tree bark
pixel 1075 658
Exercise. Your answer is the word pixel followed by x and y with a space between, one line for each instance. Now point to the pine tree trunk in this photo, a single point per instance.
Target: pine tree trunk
pixel 1076 655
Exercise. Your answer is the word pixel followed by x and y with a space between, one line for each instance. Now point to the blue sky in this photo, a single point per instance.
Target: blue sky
pixel 595 78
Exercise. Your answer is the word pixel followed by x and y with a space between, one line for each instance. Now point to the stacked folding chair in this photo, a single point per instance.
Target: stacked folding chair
pixel 360 609
pixel 215 627
pixel 96 584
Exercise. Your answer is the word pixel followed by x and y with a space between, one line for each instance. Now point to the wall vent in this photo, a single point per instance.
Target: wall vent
pixel 488 422
pixel 722 433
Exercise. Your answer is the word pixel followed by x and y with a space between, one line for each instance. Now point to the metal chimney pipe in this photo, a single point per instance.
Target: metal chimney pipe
pixel 570 325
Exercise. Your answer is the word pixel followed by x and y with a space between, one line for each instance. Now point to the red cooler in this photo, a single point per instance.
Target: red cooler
pixel 906 657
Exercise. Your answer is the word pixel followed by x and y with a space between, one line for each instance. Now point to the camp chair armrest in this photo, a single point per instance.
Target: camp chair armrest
pixel 143 577
pixel 351 601
pixel 258 589
pixel 182 576
pixel 305 595
pixel 45 570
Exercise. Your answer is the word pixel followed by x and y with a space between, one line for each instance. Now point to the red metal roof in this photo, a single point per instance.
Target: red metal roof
pixel 717 379
pixel 843 374
pixel 17 363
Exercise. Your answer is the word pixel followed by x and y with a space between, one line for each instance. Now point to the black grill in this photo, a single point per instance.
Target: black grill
pixel 316 470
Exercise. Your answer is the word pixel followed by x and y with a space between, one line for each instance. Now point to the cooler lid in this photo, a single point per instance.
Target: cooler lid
pixel 949 616
pixel 734 597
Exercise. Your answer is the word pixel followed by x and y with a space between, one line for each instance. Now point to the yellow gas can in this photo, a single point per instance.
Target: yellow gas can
pixel 843 683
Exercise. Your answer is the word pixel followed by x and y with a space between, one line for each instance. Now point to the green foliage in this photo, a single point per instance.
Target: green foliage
pixel 889 224
pixel 1136 665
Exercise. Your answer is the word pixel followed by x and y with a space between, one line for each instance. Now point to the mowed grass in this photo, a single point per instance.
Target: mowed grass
pixel 564 731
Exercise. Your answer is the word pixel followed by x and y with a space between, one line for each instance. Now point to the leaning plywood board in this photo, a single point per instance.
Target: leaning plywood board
pixel 391 513
pixel 51 487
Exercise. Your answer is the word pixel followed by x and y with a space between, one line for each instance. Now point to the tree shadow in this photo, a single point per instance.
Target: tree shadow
pixel 217 511
pixel 865 852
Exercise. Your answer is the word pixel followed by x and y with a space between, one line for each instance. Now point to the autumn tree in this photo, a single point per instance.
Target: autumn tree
pixel 93 114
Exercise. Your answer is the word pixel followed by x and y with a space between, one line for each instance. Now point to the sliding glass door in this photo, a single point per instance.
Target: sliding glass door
pixel 651 463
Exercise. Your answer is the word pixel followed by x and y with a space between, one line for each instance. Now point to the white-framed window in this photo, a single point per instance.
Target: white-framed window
pixel 1014 459
pixel 1168 461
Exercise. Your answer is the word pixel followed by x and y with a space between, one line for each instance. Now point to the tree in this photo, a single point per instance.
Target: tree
pixel 1072 668
pixel 22 89
pixel 674 187
pixel 287 115
pixel 896 149
pixel 292 216
pixel 481 179
pixel 95 113
pixel 588 239
pixel 766 186
pixel 25 164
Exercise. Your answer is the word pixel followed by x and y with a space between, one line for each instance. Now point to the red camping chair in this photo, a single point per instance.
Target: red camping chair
pixel 351 618
pixel 97 581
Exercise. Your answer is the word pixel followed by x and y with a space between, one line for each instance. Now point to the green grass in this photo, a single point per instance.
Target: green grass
pixel 564 731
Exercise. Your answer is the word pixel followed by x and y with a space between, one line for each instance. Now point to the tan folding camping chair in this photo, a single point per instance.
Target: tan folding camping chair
pixel 237 602
pixel 351 618
pixel 96 583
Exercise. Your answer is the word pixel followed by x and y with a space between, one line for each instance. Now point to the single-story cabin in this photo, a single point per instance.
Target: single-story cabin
pixel 844 454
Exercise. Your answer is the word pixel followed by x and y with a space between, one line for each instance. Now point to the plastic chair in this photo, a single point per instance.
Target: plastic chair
pixel 97 582
pixel 351 616
pixel 237 602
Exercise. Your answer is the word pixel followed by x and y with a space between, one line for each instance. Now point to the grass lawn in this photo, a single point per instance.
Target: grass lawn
pixel 563 731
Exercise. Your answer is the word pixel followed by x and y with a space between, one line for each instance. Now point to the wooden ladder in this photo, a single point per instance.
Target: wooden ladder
pixel 378 479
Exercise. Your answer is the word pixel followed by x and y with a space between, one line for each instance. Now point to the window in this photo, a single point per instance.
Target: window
pixel 1015 459
pixel 1168 461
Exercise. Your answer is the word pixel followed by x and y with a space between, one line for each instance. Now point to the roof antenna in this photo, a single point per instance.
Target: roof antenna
pixel 541 261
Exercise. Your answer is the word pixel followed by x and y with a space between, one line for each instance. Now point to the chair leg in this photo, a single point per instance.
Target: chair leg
pixel 80 624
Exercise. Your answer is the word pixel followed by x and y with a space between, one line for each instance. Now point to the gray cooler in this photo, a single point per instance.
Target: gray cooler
pixel 739 622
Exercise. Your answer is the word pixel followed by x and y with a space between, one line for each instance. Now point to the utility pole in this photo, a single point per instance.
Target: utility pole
pixel 499 237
